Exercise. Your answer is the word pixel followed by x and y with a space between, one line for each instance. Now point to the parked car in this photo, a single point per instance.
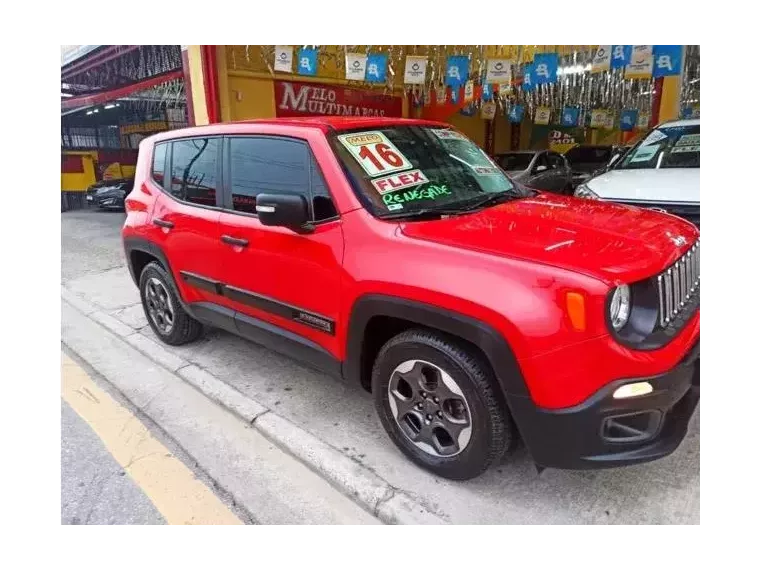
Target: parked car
pixel 540 169
pixel 396 255
pixel 661 172
pixel 109 194
pixel 588 160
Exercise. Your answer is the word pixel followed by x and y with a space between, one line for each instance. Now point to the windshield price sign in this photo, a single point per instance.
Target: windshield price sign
pixel 376 154
pixel 399 181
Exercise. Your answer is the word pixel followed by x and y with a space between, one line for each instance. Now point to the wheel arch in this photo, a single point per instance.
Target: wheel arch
pixel 139 252
pixel 397 314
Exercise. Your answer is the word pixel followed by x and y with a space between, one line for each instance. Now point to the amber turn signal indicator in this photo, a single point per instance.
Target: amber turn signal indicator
pixel 576 310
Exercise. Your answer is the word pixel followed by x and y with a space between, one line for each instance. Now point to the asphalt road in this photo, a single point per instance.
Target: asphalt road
pixel 662 492
pixel 118 467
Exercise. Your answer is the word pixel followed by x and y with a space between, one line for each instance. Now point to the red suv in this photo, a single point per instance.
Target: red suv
pixel 395 254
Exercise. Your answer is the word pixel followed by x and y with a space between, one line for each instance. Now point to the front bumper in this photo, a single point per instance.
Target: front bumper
pixel 605 432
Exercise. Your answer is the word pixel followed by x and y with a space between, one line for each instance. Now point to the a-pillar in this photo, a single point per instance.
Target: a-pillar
pixel 199 64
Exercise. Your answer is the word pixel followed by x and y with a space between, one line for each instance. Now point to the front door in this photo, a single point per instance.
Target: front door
pixel 185 218
pixel 287 279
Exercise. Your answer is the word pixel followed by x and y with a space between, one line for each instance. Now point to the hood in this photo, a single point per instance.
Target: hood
pixel 106 190
pixel 648 184
pixel 612 242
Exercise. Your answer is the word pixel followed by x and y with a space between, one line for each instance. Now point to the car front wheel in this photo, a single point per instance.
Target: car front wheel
pixel 436 400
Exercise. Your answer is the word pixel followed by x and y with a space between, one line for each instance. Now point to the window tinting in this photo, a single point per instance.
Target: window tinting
pixel 194 170
pixel 269 166
pixel 555 161
pixel 517 161
pixel 159 162
pixel 323 204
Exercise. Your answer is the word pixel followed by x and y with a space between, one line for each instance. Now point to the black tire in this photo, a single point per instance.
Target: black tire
pixel 183 327
pixel 492 430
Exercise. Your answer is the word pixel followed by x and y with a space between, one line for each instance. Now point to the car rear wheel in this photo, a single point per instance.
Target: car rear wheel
pixel 437 402
pixel 169 321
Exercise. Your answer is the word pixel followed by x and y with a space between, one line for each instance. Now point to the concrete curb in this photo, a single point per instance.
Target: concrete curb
pixel 361 484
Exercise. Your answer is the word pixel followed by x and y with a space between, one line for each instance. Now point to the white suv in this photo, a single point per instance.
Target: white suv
pixel 664 171
pixel 661 172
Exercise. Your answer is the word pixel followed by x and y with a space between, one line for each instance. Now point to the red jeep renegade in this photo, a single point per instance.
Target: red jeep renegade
pixel 395 254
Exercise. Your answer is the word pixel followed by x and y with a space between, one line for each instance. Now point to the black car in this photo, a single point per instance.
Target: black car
pixel 588 160
pixel 540 169
pixel 109 194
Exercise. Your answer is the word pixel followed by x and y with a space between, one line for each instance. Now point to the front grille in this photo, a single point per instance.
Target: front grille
pixel 677 285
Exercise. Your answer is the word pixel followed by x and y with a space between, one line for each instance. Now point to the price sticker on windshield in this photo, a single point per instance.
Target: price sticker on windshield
pixel 376 154
pixel 448 135
pixel 687 143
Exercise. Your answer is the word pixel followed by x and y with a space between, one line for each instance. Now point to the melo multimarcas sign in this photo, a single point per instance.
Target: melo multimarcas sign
pixel 297 99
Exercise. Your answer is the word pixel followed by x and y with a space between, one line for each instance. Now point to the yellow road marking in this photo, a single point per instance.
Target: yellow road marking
pixel 167 482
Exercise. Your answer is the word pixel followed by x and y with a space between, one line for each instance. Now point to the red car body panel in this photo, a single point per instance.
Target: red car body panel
pixel 508 266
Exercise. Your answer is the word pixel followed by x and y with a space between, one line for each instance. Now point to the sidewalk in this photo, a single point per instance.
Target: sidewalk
pixel 299 479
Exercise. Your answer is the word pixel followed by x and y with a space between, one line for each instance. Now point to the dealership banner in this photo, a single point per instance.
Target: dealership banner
pixel 667 60
pixel 499 71
pixel 414 72
pixel 457 70
pixel 602 58
pixel 298 99
pixel 621 56
pixel 377 64
pixel 283 58
pixel 356 66
pixel 640 66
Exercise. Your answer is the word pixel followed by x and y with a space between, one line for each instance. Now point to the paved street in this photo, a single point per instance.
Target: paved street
pixel 663 492
pixel 115 470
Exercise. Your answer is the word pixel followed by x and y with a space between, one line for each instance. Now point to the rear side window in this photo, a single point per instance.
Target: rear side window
pixel 194 170
pixel 275 166
pixel 159 163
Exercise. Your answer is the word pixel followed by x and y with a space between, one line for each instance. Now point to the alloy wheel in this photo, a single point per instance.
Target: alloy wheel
pixel 430 408
pixel 160 308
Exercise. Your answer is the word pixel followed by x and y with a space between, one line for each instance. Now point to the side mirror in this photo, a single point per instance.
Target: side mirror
pixel 541 168
pixel 289 211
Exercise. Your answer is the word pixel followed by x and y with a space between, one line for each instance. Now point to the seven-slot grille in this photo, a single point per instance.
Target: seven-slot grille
pixel 677 284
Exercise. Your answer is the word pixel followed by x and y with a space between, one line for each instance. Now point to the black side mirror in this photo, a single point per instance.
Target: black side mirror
pixel 290 211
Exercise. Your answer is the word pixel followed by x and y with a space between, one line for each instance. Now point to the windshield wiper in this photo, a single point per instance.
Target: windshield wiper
pixel 424 212
pixel 491 200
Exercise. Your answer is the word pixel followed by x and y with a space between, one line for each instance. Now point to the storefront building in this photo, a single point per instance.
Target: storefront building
pixel 605 96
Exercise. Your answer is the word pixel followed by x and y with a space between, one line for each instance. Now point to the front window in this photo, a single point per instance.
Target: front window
pixel 407 170
pixel 665 147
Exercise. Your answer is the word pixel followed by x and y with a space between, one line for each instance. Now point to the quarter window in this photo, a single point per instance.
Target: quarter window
pixel 194 170
pixel 159 163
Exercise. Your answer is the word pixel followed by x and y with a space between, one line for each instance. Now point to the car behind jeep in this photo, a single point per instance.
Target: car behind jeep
pixel 395 254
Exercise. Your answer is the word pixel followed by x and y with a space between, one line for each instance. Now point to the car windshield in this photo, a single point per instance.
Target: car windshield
pixel 515 161
pixel 405 169
pixel 665 147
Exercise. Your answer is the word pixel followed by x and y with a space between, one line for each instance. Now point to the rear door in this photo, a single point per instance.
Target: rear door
pixel 273 274
pixel 185 218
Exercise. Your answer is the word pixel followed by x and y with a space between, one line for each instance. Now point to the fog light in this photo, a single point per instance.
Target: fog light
pixel 632 390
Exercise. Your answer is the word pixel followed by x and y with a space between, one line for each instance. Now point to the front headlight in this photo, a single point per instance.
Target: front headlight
pixel 584 191
pixel 620 307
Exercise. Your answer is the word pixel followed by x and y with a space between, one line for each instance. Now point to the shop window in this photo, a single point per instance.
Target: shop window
pixel 194 170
